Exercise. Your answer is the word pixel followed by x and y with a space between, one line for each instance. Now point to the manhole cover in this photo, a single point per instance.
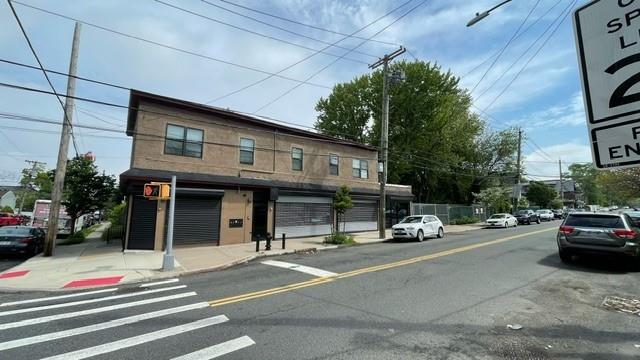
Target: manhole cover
pixel 623 305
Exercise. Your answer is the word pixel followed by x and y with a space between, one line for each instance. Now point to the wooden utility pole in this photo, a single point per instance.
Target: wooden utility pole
pixel 517 192
pixel 384 135
pixel 61 167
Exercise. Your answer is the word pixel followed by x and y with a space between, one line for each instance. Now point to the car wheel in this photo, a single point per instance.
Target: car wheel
pixel 505 225
pixel 420 236
pixel 528 222
pixel 538 221
pixel 565 256
pixel 440 233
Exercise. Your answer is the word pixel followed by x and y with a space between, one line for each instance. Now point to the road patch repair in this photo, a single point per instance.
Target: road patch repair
pixel 13 274
pixel 327 279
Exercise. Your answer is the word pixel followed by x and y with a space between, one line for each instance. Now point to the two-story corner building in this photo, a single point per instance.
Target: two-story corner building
pixel 239 177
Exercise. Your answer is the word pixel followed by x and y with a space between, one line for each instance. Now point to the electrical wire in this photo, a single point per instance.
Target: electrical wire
pixel 305 58
pixel 336 60
pixel 532 57
pixel 170 47
pixel 303 24
pixel 35 55
pixel 506 46
pixel 519 57
pixel 260 34
pixel 285 29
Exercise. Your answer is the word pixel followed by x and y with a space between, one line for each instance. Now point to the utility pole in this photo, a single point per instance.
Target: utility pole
pixel 61 167
pixel 517 194
pixel 34 166
pixel 561 182
pixel 384 135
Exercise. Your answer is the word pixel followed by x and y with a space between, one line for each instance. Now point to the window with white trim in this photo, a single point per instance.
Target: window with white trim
pixel 183 141
pixel 360 168
pixel 334 164
pixel 296 159
pixel 247 148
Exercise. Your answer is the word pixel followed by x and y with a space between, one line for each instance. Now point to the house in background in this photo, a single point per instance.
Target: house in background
pixel 8 196
pixel 240 177
pixel 571 192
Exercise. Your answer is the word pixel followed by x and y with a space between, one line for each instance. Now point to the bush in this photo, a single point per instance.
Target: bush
pixel 116 213
pixel 465 220
pixel 339 238
pixel 76 238
pixel 7 209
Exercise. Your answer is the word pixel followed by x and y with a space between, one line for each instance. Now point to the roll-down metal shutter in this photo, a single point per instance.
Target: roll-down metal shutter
pixel 196 220
pixel 363 216
pixel 303 216
pixel 143 224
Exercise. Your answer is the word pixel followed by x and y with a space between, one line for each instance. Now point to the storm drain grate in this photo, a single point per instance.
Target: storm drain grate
pixel 627 306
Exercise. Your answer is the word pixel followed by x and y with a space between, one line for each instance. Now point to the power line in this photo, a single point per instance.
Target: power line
pixel 519 57
pixel 506 46
pixel 516 38
pixel 305 58
pixel 130 89
pixel 285 29
pixel 174 48
pixel 334 61
pixel 260 34
pixel 539 148
pixel 532 57
pixel 35 55
pixel 306 25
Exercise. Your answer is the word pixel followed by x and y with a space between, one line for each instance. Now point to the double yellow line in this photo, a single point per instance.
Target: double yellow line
pixel 324 280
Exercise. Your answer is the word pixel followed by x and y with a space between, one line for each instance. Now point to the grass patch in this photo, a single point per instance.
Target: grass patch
pixel 339 239
pixel 79 236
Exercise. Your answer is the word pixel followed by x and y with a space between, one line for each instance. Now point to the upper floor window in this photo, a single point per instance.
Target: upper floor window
pixel 333 164
pixel 296 159
pixel 247 147
pixel 360 168
pixel 183 141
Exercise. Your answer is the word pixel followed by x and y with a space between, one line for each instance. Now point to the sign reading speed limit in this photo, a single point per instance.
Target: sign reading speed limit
pixel 608 45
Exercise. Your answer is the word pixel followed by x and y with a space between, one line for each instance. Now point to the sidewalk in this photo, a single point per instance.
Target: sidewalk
pixel 95 263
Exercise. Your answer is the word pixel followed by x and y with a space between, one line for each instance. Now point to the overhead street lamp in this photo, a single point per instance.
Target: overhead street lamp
pixel 484 14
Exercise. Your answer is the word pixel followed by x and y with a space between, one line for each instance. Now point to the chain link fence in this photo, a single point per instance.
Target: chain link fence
pixel 450 212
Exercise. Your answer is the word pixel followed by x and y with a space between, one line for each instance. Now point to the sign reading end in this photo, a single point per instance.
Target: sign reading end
pixel 617 145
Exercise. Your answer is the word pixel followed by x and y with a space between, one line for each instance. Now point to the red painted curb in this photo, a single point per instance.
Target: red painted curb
pixel 13 274
pixel 94 282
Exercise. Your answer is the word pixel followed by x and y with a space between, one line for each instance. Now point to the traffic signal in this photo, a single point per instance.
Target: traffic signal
pixel 160 191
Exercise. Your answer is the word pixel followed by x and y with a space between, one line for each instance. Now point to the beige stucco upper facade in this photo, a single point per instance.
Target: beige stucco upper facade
pixel 221 150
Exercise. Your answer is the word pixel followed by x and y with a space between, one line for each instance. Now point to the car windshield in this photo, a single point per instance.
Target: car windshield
pixel 411 220
pixel 595 220
pixel 14 231
pixel 498 216
pixel 523 212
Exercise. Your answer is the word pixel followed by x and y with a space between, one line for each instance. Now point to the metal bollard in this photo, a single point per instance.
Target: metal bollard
pixel 268 247
pixel 257 244
pixel 284 239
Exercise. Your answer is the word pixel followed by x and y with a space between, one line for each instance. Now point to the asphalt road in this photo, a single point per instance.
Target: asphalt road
pixel 9 261
pixel 450 298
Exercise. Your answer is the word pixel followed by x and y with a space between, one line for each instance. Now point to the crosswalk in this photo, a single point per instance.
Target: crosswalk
pixel 155 320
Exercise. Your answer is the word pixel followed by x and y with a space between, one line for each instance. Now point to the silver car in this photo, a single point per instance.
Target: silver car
pixel 584 232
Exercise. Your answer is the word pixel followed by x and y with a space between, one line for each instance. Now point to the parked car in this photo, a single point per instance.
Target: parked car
pixel 7 219
pixel 527 217
pixel 558 214
pixel 545 215
pixel 502 220
pixel 418 227
pixel 608 233
pixel 24 240
pixel 635 217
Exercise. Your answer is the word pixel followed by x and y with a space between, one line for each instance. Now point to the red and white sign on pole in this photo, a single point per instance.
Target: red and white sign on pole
pixel 608 45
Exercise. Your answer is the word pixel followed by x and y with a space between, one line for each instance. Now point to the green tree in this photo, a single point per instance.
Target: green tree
pixel 619 187
pixel 85 189
pixel 540 194
pixel 557 204
pixel 497 199
pixel 6 209
pixel 36 184
pixel 341 203
pixel 585 177
pixel 436 144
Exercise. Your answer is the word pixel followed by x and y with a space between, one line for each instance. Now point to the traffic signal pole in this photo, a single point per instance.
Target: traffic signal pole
pixel 168 259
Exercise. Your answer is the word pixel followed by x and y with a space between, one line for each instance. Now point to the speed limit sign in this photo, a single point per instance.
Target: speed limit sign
pixel 608 46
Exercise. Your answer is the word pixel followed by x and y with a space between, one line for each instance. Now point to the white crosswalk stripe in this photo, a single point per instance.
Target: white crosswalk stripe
pixel 137 340
pixel 217 350
pixel 301 268
pixel 168 311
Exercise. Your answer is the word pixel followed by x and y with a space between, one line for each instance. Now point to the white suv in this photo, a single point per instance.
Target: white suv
pixel 545 215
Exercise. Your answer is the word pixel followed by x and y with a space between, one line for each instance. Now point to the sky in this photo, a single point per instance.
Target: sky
pixel 519 64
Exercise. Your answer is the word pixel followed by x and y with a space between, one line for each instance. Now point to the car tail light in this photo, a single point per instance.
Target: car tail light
pixel 625 234
pixel 566 229
pixel 26 240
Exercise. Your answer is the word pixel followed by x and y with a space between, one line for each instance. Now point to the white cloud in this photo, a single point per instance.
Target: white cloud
pixel 544 162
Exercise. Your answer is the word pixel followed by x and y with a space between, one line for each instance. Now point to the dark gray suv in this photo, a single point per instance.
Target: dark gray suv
pixel 583 232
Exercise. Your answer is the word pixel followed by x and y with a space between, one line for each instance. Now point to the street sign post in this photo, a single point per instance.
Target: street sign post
pixel 608 46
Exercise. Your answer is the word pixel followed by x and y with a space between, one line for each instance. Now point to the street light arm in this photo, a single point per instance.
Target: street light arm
pixel 484 14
